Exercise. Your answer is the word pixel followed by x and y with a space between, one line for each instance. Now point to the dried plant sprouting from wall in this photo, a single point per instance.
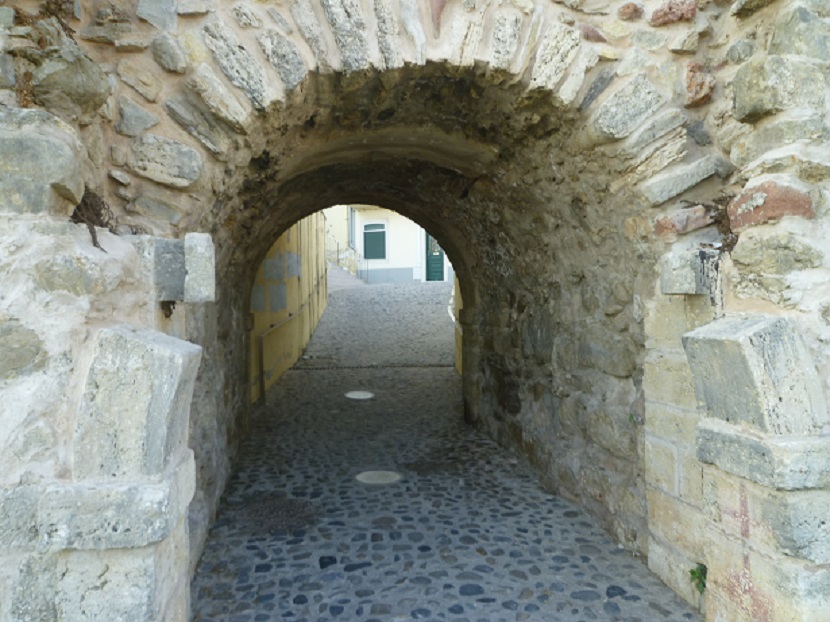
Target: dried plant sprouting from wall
pixel 93 212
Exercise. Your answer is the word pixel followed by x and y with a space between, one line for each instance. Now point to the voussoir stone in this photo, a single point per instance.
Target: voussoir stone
pixel 678 179
pixel 348 26
pixel 236 62
pixel 627 108
pixel 200 124
pixel 285 57
pixel 770 84
pixel 219 100
pixel 554 54
pixel 165 161
pixel 309 27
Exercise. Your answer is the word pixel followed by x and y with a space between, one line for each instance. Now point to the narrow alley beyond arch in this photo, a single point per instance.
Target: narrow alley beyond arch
pixel 465 534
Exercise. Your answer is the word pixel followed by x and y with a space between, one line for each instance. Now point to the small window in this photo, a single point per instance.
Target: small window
pixel 374 241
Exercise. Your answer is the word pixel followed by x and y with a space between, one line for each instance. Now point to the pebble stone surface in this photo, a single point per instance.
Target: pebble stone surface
pixel 466 533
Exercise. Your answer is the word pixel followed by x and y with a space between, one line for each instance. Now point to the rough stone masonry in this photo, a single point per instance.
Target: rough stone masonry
pixel 634 196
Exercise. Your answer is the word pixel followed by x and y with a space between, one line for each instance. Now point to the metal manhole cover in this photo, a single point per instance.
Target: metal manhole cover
pixel 378 477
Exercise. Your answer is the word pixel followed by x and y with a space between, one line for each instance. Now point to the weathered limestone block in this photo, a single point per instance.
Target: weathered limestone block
pixel 585 60
pixel 347 24
pixel 237 63
pixel 309 27
pixel 778 462
pixel 133 120
pixel 119 584
pixel 114 516
pixel 245 17
pixel 507 30
pixel 22 348
pixel 40 158
pixel 7 77
pixel 168 53
pixel 554 54
pixel 773 252
pixel 800 31
pixel 143 81
pixel 769 199
pixel 785 129
pixel 798 521
pixel 678 179
pixel 200 124
pixel 159 13
pixel 133 416
pixel 181 270
pixel 689 272
pixel 757 371
pixel 219 100
pixel 279 20
pixel 770 84
pixel 165 161
pixel 388 31
pixel 200 277
pixel 285 58
pixel 69 84
pixel 626 109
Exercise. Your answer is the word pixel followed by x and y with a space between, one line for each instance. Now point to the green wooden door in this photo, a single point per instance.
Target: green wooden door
pixel 435 260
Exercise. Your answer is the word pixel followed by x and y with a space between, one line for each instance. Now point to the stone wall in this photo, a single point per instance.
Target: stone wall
pixel 605 176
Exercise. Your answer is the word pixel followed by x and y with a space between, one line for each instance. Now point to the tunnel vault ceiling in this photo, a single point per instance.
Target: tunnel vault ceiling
pixel 606 176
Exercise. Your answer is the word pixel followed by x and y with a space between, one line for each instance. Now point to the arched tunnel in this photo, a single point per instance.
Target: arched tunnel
pixel 633 197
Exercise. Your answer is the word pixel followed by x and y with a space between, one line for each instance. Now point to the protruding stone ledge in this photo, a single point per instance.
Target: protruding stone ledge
pixel 96 516
pixel 756 370
pixel 182 270
pixel 133 416
pixel 690 272
pixel 779 462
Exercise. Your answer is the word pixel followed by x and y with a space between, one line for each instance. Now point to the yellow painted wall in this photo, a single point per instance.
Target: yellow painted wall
pixel 458 304
pixel 287 300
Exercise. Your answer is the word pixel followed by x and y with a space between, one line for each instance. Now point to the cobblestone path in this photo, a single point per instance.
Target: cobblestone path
pixel 465 534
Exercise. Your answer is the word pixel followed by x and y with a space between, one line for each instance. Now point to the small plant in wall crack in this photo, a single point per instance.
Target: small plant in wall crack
pixel 697 576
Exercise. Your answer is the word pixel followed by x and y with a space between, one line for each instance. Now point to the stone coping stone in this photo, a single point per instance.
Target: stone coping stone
pixel 778 462
pixel 100 515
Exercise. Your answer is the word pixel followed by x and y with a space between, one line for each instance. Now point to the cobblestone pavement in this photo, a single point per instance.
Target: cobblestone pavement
pixel 465 534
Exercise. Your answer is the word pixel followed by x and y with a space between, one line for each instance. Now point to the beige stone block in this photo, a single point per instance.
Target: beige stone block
pixel 675 521
pixel 661 464
pixel 672 566
pixel 665 322
pixel 690 477
pixel 667 379
pixel 675 424
pixel 745 585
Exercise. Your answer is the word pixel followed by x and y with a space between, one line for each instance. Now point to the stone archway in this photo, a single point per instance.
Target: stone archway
pixel 555 151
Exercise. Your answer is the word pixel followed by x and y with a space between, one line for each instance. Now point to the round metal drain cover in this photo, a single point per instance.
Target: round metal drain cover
pixel 378 477
pixel 360 395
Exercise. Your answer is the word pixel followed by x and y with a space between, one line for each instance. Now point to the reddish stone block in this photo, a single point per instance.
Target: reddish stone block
pixel 700 84
pixel 590 33
pixel 768 201
pixel 674 11
pixel 684 221
pixel 630 11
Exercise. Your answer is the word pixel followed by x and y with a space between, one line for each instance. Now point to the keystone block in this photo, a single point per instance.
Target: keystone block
pixel 756 370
